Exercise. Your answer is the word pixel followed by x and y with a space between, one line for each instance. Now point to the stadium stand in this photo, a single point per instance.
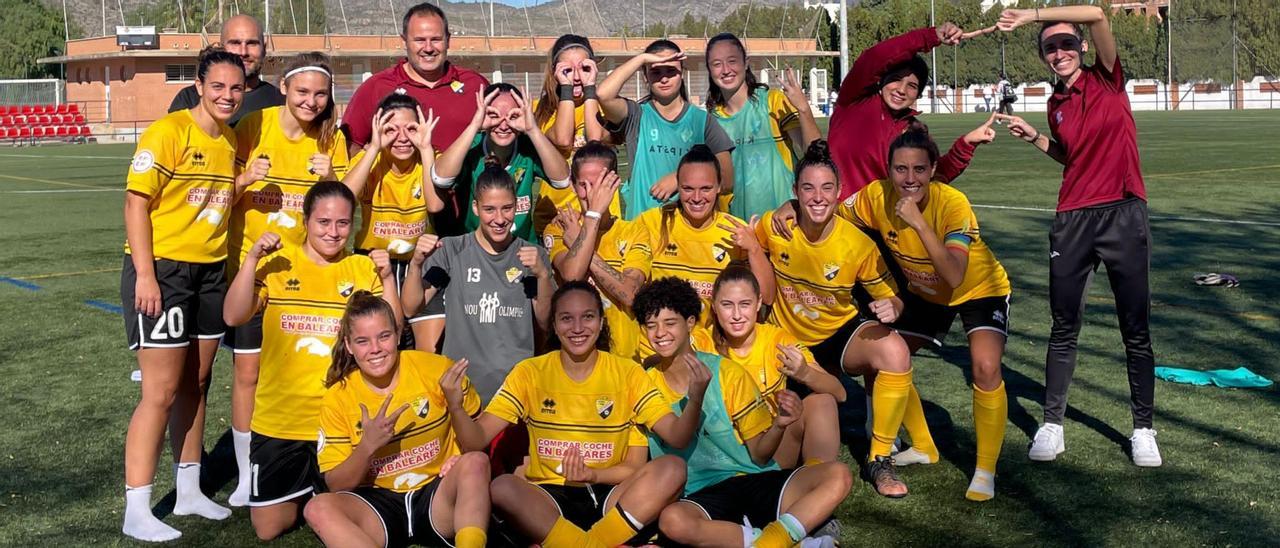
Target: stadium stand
pixel 30 124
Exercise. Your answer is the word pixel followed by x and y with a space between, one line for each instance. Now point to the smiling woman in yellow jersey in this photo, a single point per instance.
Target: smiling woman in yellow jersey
pixel 302 292
pixel 386 445
pixel 775 359
pixel 818 263
pixel 587 483
pixel 390 175
pixel 933 235
pixel 180 184
pixel 693 241
pixel 598 246
pixel 283 150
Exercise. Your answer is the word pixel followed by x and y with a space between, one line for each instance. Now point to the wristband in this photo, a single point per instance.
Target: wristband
pixel 565 92
pixel 589 92
pixel 591 214
pixel 1036 138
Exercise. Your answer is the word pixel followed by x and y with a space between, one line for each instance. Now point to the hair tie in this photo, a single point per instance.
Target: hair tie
pixel 308 68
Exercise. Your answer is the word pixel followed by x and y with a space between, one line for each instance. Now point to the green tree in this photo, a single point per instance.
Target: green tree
pixel 28 31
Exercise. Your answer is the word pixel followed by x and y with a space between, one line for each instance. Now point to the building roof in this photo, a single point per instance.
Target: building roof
pixel 189 45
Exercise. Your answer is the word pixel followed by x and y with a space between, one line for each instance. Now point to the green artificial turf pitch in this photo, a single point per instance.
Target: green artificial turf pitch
pixel 1214 192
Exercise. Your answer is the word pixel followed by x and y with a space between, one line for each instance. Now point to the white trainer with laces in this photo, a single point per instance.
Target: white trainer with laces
pixel 1145 451
pixel 1048 443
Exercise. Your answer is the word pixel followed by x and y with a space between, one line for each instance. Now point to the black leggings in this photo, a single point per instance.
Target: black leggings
pixel 1117 235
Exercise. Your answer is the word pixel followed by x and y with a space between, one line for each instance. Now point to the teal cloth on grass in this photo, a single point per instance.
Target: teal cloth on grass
pixel 1240 377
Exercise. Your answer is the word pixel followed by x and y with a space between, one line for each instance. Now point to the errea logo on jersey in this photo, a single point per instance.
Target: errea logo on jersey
pixel 293 284
pixel 197 159
pixel 672 249
pixel 549 406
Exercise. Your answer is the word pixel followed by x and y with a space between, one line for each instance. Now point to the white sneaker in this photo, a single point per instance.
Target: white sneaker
pixel 1145 451
pixel 1048 443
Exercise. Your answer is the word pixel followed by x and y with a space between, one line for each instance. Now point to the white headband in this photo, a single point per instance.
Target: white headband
pixel 308 68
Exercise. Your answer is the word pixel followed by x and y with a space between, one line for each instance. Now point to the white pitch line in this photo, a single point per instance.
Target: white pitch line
pixel 55 156
pixel 61 191
pixel 1156 217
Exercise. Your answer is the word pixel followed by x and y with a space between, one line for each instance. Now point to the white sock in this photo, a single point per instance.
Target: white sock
pixel 240 441
pixel 191 501
pixel 982 487
pixel 139 522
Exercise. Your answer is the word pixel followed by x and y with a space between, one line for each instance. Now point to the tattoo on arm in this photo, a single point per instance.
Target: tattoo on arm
pixel 608 278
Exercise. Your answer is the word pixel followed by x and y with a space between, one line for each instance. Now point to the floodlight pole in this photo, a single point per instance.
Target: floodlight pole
pixel 1235 77
pixel 933 85
pixel 266 14
pixel 1168 87
pixel 844 39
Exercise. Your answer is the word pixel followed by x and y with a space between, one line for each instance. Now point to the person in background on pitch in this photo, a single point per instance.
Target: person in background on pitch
pixel 302 291
pixel 283 151
pixel 770 128
pixel 1102 213
pixel 241 35
pixel 179 187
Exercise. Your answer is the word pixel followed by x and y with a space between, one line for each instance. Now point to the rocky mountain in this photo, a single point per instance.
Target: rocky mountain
pixel 591 17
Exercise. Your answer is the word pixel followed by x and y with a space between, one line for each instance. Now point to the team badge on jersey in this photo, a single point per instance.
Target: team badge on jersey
pixel 456 86
pixel 784 258
pixel 830 271
pixel 604 407
pixel 512 274
pixel 417 192
pixel 142 161
pixel 622 247
pixel 346 288
pixel 421 407
pixel 719 252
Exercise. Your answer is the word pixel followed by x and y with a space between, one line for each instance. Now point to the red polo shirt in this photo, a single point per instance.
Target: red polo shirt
pixel 862 126
pixel 1092 121
pixel 453 98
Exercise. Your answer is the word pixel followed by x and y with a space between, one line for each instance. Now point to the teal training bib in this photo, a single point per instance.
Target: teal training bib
pixel 715 454
pixel 659 146
pixel 761 179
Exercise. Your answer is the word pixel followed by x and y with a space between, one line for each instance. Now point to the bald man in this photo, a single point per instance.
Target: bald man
pixel 241 35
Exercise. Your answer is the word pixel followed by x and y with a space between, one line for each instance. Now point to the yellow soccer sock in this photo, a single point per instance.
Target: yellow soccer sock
pixel 888 405
pixel 913 421
pixel 565 534
pixel 774 535
pixel 990 415
pixel 470 537
pixel 613 529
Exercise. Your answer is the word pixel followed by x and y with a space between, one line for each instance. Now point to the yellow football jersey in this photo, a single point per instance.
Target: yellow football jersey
pixel 189 177
pixel 424 439
pixel 597 415
pixel 742 402
pixel 696 255
pixel 304 303
pixel 393 209
pixel 762 364
pixel 948 212
pixel 626 245
pixel 551 199
pixel 275 203
pixel 816 280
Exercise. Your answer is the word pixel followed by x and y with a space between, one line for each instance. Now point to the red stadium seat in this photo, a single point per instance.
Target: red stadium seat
pixel 24 132
pixel 6 120
pixel 4 109
pixel 28 109
pixel 11 132
pixel 64 131
pixel 75 108
pixel 84 131
pixel 79 118
pixel 62 109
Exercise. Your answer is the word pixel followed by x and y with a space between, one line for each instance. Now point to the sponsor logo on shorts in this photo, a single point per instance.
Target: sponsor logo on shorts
pixel 998 316
pixel 142 161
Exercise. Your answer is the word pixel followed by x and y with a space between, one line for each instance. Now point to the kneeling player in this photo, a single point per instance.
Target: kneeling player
pixel 772 358
pixel 933 235
pixel 732 479
pixel 397 475
pixel 587 483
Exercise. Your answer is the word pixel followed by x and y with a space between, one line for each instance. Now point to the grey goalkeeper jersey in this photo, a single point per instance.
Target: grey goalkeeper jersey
pixel 488 308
